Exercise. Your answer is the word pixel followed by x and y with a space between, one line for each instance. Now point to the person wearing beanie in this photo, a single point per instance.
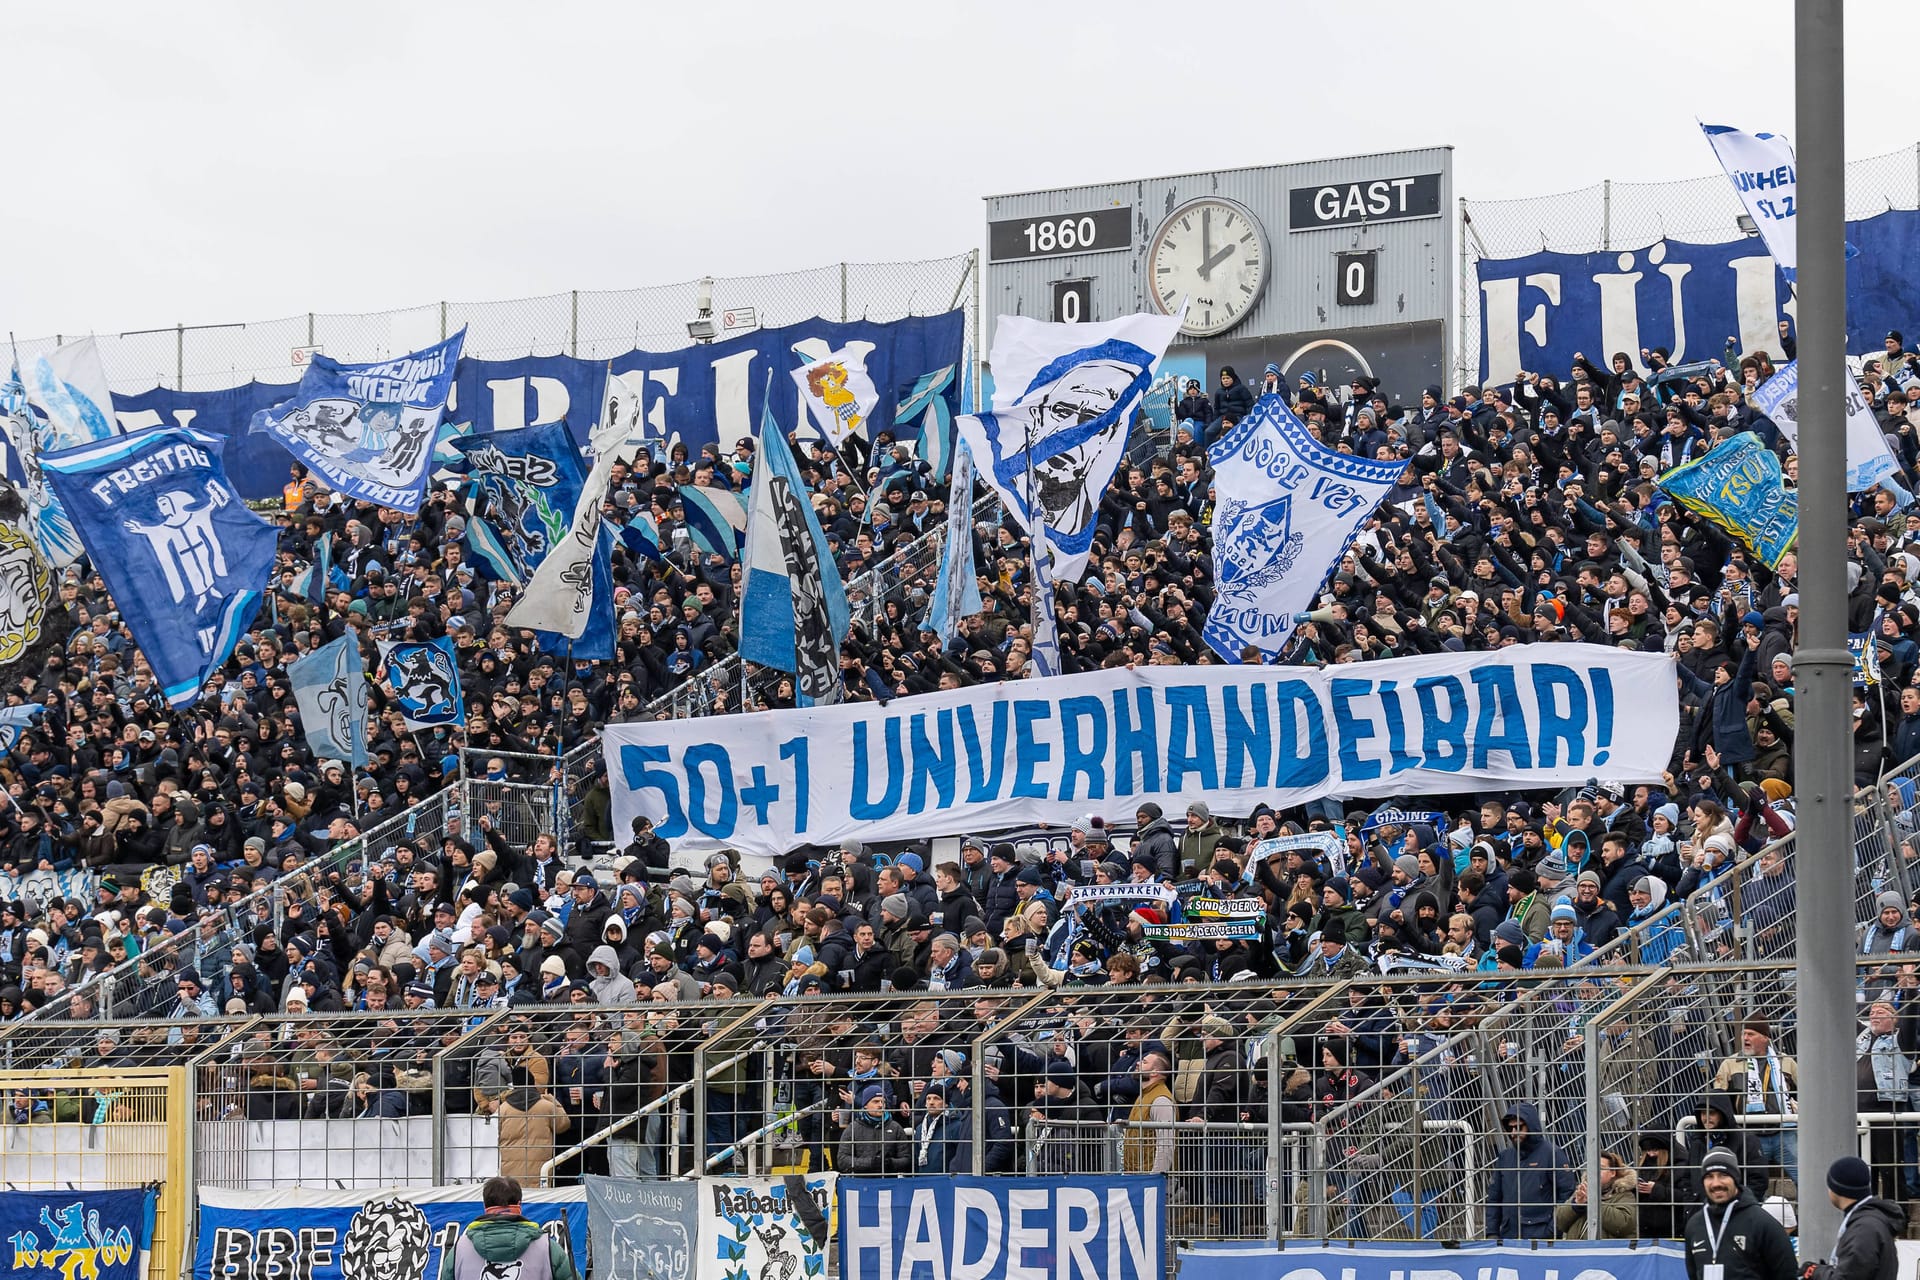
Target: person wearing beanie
pixel 1762 1081
pixel 1154 844
pixel 1198 841
pixel 1889 930
pixel 1527 906
pixel 1869 1225
pixel 1731 1237
pixel 874 1143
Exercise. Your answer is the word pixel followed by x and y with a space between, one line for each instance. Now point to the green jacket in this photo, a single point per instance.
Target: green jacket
pixel 503 1239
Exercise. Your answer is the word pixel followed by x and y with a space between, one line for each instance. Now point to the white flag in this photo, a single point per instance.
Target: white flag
pixel 1046 631
pixel 1063 400
pixel 69 388
pixel 1869 460
pixel 1286 508
pixel 559 595
pixel 1760 166
pixel 838 394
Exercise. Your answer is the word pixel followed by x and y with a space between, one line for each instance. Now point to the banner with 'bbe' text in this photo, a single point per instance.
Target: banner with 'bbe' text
pixel 1012 754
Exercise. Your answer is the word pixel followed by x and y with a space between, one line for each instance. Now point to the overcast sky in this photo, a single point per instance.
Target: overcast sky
pixel 219 162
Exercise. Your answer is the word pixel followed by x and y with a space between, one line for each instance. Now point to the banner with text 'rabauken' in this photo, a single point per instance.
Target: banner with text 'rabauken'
pixel 1021 752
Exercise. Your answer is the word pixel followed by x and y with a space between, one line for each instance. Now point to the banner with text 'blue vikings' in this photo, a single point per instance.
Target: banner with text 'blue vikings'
pixel 1537 311
pixel 367 430
pixel 58 1235
pixel 1083 1228
pixel 711 394
pixel 1027 751
pixel 352 1235
pixel 1595 1260
pixel 184 559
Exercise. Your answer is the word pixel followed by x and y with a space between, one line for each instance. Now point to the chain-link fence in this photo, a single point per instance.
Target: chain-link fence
pixel 1634 215
pixel 592 324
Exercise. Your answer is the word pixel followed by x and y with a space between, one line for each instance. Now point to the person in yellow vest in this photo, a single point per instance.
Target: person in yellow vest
pixel 296 495
pixel 1150 1150
pixel 502 1242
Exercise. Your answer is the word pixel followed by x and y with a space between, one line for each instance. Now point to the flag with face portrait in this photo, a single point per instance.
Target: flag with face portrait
pixel 330 688
pixel 1063 400
pixel 184 559
pixel 793 606
pixel 839 395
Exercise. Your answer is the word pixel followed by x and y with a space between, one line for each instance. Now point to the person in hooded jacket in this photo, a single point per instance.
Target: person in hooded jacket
pixel 1718 1132
pixel 609 984
pixel 1732 1233
pixel 1154 844
pixel 500 1241
pixel 1531 1177
pixel 1869 1226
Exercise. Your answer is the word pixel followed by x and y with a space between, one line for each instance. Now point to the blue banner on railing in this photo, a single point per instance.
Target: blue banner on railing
pixel 1078 1228
pixel 698 395
pixel 63 1234
pixel 1622 1260
pixel 351 1235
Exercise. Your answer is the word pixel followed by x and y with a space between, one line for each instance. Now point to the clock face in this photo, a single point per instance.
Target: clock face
pixel 1212 254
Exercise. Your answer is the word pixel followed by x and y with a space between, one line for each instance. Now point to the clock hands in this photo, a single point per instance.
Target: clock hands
pixel 1213 260
pixel 1206 242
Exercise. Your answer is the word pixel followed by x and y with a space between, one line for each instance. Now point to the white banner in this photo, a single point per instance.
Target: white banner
pixel 1286 508
pixel 559 595
pixel 839 393
pixel 1869 461
pixel 751 1228
pixel 1760 167
pixel 1015 753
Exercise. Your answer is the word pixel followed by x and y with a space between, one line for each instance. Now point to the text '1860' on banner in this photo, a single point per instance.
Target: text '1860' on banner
pixel 1010 754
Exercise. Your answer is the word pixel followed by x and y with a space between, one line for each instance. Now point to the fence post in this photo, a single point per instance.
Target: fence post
pixel 439 1121
pixel 443 322
pixel 843 293
pixel 309 328
pixel 1590 1056
pixel 1460 375
pixel 573 326
pixel 1276 1167
pixel 1892 838
pixel 180 357
pixel 1606 213
pixel 979 337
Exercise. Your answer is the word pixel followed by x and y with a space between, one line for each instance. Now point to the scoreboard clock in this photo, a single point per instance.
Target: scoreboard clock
pixel 1211 255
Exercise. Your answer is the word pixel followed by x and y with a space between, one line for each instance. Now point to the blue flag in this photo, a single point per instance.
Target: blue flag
pixel 716 519
pixel 641 536
pixel 423 679
pixel 182 556
pixel 956 593
pixel 1046 631
pixel 793 607
pixel 926 403
pixel 1738 487
pixel 330 687
pixel 314 584
pixel 368 430
pixel 525 487
pixel 15 721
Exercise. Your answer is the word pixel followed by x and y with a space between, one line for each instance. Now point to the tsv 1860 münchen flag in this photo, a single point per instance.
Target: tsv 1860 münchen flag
pixel 1738 486
pixel 1063 398
pixel 182 556
pixel 1285 508
pixel 423 679
pixel 367 430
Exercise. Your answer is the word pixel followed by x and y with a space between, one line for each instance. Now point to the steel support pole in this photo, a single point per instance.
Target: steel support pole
pixel 1822 669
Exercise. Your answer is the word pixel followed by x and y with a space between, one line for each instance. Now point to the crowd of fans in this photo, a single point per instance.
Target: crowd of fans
pixel 1527 514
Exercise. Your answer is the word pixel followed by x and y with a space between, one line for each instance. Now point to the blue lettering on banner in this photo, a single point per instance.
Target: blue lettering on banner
pixel 1084 1228
pixel 1538 310
pixel 1044 750
pixel 1589 1260
pixel 699 394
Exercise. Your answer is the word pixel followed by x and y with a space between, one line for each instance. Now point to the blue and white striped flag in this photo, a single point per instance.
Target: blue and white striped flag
pixel 1046 633
pixel 15 721
pixel 716 519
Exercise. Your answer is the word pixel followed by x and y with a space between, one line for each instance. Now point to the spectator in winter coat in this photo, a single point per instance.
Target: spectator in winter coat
pixel 1531 1177
pixel 1234 399
pixel 1153 843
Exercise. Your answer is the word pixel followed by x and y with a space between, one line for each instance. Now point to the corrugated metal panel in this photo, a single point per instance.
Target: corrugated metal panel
pixel 1414 263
